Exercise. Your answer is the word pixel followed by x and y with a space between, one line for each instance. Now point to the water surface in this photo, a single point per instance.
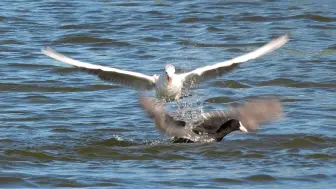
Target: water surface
pixel 60 127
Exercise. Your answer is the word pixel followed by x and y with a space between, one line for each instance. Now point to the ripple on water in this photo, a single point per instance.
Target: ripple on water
pixel 115 142
pixel 91 40
pixel 219 45
pixel 58 182
pixel 221 99
pixel 288 99
pixel 34 155
pixel 318 176
pixel 304 142
pixel 228 181
pixel 75 26
pixel 320 156
pixel 6 140
pixel 65 70
pixel 230 84
pixel 331 47
pixel 256 19
pixel 11 42
pixel 315 17
pixel 214 29
pixel 296 84
pixel 254 155
pixel 196 19
pixel 322 27
pixel 41 99
pixel 307 178
pixel 14 87
pixel 155 12
pixel 29 66
pixel 151 39
pixel 128 4
pixel 217 154
pixel 113 130
pixel 260 178
pixel 62 130
pixel 14 181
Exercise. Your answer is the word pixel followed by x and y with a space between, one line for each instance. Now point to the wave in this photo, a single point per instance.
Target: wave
pixel 313 17
pixel 15 87
pixel 296 84
pixel 92 40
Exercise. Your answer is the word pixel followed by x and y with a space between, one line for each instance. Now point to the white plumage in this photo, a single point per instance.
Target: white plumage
pixel 168 85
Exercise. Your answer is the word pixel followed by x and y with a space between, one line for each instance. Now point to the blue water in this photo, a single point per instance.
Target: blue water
pixel 60 127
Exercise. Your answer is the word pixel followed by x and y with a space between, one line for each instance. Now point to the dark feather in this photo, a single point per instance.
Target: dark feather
pixel 214 125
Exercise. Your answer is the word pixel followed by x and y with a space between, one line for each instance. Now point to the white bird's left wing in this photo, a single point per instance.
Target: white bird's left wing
pixel 124 77
pixel 223 67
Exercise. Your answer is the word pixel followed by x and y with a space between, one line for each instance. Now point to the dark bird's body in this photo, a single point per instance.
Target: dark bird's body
pixel 212 126
pixel 215 132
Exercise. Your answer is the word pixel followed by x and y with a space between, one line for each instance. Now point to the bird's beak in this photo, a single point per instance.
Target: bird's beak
pixel 169 79
pixel 242 128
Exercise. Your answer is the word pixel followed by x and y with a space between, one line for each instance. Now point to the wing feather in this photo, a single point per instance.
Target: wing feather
pixel 220 68
pixel 212 121
pixel 126 78
pixel 251 113
pixel 257 111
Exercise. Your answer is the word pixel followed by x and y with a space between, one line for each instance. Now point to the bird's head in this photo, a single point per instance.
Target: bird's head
pixel 237 126
pixel 169 72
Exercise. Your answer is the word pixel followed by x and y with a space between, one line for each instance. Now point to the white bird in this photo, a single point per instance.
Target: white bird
pixel 169 85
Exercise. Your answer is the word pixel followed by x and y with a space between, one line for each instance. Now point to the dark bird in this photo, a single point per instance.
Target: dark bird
pixel 213 126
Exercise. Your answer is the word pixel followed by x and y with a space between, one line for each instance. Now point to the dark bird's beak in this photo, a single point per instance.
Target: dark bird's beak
pixel 242 128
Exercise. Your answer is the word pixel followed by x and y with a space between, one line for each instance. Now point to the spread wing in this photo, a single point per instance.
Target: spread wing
pixel 257 111
pixel 126 78
pixel 207 72
pixel 163 121
pixel 252 113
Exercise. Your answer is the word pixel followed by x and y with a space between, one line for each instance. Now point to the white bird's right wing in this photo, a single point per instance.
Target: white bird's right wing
pixel 220 68
pixel 127 78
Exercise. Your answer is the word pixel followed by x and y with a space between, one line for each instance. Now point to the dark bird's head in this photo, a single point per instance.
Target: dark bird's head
pixel 236 125
pixel 228 127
